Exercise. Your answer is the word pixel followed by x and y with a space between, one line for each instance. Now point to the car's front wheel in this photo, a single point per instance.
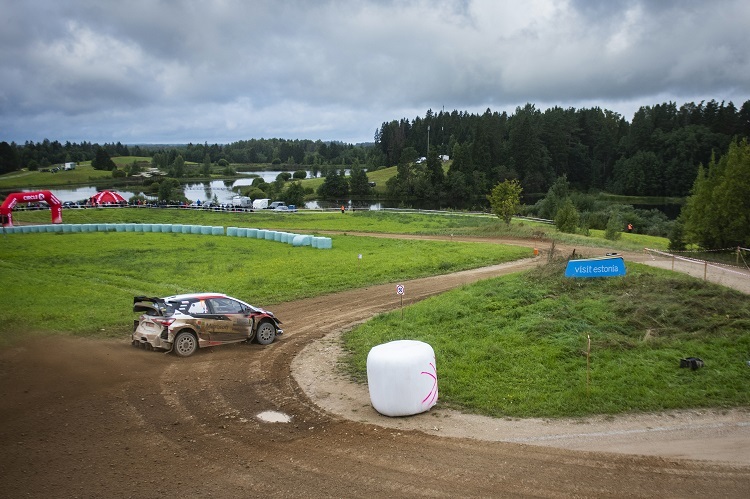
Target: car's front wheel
pixel 265 333
pixel 185 344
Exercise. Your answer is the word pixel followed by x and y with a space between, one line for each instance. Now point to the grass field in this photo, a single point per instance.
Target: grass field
pixel 514 346
pixel 456 223
pixel 517 346
pixel 84 283
pixel 83 174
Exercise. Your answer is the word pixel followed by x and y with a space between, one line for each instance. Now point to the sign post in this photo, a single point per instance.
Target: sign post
pixel 400 292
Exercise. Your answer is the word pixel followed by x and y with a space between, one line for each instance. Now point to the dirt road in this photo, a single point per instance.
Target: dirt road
pixel 84 418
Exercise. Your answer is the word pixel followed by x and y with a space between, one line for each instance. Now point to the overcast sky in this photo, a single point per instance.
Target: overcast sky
pixel 178 71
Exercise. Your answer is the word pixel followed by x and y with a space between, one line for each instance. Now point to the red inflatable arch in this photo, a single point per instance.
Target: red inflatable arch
pixel 6 210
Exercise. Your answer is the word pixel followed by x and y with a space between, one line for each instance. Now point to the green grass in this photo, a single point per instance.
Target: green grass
pixel 84 283
pixel 24 179
pixel 513 346
pixel 456 223
pixel 516 346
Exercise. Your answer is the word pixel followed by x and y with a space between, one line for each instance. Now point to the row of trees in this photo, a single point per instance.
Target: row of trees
pixel 657 154
pixel 285 153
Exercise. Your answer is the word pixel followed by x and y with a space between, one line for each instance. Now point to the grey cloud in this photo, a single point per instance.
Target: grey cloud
pixel 231 69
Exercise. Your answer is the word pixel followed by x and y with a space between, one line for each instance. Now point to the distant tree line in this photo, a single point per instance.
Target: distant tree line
pixel 657 154
pixel 315 155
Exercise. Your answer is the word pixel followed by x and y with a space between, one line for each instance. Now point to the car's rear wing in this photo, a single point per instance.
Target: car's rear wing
pixel 151 305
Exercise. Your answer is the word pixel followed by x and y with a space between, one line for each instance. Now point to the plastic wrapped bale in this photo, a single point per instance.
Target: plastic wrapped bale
pixel 290 237
pixel 260 234
pixel 301 240
pixel 252 233
pixel 232 231
pixel 402 378
pixel 325 243
pixel 195 229
pixel 186 229
pixel 166 227
pixel 129 227
pixel 241 232
pixel 277 236
pixel 206 230
pixel 138 227
pixel 217 231
pixel 270 235
pixel 177 228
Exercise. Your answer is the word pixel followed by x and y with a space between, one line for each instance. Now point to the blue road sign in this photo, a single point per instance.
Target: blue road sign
pixel 596 267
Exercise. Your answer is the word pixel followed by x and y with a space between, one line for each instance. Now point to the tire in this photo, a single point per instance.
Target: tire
pixel 185 344
pixel 265 333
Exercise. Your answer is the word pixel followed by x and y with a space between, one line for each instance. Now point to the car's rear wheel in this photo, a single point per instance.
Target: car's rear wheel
pixel 265 333
pixel 185 344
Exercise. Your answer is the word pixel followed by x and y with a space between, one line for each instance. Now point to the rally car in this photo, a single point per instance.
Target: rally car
pixel 184 323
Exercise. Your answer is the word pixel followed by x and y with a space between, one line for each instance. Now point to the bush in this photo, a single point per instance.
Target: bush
pixel 613 232
pixel 567 217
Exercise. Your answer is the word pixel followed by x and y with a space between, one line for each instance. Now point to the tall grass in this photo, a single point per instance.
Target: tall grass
pixel 516 346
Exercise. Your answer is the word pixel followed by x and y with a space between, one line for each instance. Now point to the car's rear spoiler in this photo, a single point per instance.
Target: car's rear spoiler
pixel 148 304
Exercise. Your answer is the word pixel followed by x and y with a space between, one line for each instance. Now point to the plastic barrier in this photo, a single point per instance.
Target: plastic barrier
pixel 302 240
pixel 402 378
pixel 268 235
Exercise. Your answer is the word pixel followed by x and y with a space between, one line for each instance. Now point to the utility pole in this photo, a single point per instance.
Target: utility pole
pixel 428 140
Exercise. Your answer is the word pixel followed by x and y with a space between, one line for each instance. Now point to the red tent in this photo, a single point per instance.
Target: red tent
pixel 107 197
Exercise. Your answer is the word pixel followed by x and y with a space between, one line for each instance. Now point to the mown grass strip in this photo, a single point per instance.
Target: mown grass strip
pixel 450 223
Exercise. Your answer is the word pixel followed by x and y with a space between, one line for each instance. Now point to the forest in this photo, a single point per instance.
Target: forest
pixel 657 153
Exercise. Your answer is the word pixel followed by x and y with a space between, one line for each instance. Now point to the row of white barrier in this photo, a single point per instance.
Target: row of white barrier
pixel 282 237
pixel 268 235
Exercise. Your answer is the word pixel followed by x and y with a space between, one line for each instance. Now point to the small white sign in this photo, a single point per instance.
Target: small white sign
pixel 400 289
pixel 359 256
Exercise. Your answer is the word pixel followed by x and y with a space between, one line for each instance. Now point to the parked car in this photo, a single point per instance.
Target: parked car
pixel 284 208
pixel 184 323
pixel 276 204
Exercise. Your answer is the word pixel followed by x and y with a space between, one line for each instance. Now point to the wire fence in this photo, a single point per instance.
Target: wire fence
pixel 728 267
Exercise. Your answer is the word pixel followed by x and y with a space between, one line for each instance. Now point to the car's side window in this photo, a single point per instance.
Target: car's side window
pixel 198 307
pixel 226 306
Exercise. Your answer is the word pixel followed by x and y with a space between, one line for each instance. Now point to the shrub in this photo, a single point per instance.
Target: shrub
pixel 567 218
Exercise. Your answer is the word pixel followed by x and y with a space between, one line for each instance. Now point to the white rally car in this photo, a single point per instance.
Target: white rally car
pixel 183 323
